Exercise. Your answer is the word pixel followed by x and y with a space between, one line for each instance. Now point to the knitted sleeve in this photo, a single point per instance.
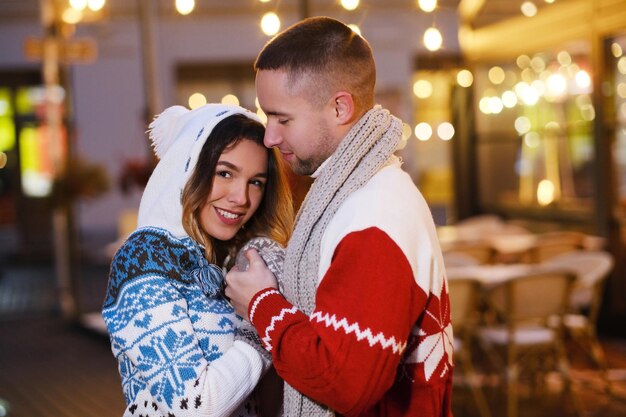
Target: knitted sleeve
pixel 346 355
pixel 173 357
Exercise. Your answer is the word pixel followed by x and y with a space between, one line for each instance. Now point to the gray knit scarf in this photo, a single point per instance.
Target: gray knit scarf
pixel 364 151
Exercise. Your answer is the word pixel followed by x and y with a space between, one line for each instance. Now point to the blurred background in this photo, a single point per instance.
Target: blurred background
pixel 515 132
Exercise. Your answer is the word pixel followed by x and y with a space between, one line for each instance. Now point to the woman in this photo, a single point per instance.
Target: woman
pixel 171 329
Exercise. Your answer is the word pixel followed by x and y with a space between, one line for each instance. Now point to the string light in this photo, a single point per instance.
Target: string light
pixel 270 24
pixel 196 100
pixel 423 131
pixel 78 4
pixel 464 78
pixel 185 7
pixel 528 8
pixel 433 39
pixel 95 5
pixel 230 99
pixel 427 5
pixel 350 4
pixel 355 28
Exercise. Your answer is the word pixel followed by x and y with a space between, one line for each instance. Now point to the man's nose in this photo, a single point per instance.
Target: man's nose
pixel 272 137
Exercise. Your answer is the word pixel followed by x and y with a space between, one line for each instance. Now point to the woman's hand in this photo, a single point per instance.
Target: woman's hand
pixel 241 285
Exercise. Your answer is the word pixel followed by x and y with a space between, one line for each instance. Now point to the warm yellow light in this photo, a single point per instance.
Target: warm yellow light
pixel 545 192
pixel 616 50
pixel 523 61
pixel 509 99
pixel 495 105
pixel 423 131
pixel 557 85
pixel 96 5
pixel 185 7
pixel 538 64
pixel 350 4
pixel 445 130
pixel 256 103
pixel 433 39
pixel 588 112
pixel 230 99
pixel 71 16
pixel 583 80
pixel 196 100
pixel 355 28
pixel 522 125
pixel 3 160
pixel 264 1
pixel 270 24
pixel 427 5
pixel 464 78
pixel 483 105
pixel 526 93
pixel 621 65
pixel 406 131
pixel 564 58
pixel 78 4
pixel 262 116
pixel 496 75
pixel 422 88
pixel 528 8
pixel 532 139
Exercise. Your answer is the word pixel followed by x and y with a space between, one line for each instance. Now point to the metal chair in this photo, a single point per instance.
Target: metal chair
pixel 464 296
pixel 591 269
pixel 526 304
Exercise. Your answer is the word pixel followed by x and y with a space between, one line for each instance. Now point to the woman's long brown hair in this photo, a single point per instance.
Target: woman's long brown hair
pixel 274 216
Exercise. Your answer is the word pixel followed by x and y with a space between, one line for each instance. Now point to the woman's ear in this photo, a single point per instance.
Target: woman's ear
pixel 344 107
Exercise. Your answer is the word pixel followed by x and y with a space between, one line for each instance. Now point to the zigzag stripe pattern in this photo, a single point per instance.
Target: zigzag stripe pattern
pixel 280 317
pixel 379 338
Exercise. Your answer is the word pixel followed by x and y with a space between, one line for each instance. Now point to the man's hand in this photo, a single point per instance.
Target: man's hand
pixel 243 285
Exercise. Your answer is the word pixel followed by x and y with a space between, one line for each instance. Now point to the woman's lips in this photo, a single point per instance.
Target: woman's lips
pixel 227 216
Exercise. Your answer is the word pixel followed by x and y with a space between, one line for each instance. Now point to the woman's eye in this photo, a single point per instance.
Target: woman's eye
pixel 282 121
pixel 258 183
pixel 223 174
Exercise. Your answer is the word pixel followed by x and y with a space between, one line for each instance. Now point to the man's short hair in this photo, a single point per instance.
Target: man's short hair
pixel 322 55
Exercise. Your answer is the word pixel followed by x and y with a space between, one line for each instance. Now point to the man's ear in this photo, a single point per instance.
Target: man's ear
pixel 344 107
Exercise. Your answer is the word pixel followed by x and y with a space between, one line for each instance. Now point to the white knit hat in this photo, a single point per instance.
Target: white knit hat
pixel 177 136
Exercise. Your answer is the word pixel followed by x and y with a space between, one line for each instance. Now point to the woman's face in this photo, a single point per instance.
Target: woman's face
pixel 238 186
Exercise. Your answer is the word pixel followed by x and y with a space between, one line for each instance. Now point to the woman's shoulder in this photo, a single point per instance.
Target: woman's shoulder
pixel 152 250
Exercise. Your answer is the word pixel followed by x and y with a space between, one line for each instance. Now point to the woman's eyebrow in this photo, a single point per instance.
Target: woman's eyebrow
pixel 237 169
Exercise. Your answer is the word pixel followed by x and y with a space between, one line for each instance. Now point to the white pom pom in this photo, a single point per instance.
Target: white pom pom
pixel 164 128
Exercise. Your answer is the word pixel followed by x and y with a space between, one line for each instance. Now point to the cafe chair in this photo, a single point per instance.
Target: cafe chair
pixel 530 344
pixel 551 244
pixel 464 296
pixel 454 259
pixel 592 268
pixel 480 252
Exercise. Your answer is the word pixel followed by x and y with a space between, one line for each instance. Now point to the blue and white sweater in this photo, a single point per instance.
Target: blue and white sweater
pixel 174 345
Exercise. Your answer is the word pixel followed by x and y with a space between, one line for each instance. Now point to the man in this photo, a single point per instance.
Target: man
pixel 362 325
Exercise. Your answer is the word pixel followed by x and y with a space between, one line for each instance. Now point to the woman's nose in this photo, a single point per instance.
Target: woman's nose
pixel 238 194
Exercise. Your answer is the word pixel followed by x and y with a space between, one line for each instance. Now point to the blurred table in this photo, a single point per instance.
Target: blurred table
pixel 490 275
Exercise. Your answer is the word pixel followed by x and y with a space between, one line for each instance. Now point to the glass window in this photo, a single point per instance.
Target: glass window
pixel 534 129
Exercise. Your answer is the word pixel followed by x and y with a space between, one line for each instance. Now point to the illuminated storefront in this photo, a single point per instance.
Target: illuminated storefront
pixel 547 136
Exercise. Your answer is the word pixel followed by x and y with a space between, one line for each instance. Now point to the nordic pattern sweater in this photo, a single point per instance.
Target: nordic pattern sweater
pixel 174 346
pixel 379 342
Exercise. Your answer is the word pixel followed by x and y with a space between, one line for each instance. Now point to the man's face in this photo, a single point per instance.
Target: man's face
pixel 302 132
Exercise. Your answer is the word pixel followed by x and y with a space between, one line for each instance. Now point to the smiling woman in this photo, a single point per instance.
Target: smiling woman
pixel 179 345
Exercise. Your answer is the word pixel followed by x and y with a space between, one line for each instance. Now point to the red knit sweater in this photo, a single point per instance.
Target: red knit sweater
pixel 376 343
